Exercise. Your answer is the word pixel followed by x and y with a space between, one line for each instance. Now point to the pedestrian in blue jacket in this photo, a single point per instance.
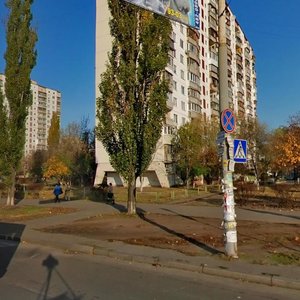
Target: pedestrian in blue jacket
pixel 57 191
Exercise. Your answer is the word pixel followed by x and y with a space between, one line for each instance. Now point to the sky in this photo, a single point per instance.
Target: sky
pixel 66 47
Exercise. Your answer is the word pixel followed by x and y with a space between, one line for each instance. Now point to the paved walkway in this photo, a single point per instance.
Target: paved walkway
pixel 285 276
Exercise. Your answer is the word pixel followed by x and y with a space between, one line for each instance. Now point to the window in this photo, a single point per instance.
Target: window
pixel 182 90
pixel 175 101
pixel 194 78
pixel 182 120
pixel 181 43
pixel 175 118
pixel 175 85
pixel 181 28
pixel 182 74
pixel 194 93
pixel 181 58
pixel 174 69
pixel 183 105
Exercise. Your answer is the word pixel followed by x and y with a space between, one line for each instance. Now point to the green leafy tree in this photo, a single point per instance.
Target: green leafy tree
pixel 35 162
pixel 20 58
pixel 258 143
pixel 54 133
pixel 132 106
pixel 194 148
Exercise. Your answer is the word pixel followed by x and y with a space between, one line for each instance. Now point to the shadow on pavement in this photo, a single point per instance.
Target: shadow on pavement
pixel 10 237
pixel 121 208
pixel 51 264
pixel 191 240
pixel 270 213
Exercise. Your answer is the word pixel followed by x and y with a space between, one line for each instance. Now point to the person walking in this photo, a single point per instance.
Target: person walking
pixel 57 191
pixel 110 194
pixel 68 191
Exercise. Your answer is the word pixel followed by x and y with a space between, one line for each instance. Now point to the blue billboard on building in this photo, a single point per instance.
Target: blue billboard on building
pixel 183 11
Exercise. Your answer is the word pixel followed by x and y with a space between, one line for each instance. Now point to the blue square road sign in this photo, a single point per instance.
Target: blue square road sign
pixel 240 151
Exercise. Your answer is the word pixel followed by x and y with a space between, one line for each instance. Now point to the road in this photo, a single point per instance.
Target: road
pixel 33 272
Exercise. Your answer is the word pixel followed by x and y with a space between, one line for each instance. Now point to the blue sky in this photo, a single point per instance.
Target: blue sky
pixel 66 47
pixel 273 29
pixel 66 30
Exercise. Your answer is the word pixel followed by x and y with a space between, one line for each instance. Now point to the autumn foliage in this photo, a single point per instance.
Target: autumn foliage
pixel 287 147
pixel 55 168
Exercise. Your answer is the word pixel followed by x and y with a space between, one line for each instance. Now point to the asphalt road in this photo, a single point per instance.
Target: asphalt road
pixel 32 272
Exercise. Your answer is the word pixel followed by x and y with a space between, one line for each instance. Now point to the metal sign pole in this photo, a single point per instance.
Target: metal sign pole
pixel 227 124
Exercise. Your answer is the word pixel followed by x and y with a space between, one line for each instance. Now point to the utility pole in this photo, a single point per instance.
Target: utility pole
pixel 225 141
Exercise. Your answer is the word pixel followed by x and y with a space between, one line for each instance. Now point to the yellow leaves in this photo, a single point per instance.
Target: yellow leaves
pixel 288 148
pixel 54 167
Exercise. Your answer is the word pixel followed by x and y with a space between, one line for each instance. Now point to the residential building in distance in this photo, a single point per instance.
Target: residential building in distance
pixel 45 102
pixel 194 83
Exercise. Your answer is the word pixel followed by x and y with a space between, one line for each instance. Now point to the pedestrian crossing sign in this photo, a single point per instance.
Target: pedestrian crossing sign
pixel 240 151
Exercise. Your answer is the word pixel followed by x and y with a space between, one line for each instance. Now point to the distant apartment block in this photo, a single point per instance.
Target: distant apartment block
pixel 45 102
pixel 194 82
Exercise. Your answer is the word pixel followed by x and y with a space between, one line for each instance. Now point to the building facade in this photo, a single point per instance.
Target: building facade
pixel 193 73
pixel 45 102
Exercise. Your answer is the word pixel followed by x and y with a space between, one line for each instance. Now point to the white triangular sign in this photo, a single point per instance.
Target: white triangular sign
pixel 240 153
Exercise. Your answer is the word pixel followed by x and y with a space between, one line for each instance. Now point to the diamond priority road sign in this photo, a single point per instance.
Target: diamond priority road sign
pixel 240 151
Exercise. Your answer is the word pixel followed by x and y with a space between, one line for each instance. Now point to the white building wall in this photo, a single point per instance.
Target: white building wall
pixel 160 171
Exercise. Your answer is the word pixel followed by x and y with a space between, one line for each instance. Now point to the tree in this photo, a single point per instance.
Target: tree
pixel 56 168
pixel 54 133
pixel 74 150
pixel 287 147
pixel 186 146
pixel 194 147
pixel 20 57
pixel 36 161
pixel 258 142
pixel 132 107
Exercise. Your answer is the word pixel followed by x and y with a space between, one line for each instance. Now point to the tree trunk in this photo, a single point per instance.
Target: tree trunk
pixel 256 173
pixel 131 200
pixel 11 190
pixel 142 183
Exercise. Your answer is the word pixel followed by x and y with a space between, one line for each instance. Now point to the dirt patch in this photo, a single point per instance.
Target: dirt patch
pixel 258 242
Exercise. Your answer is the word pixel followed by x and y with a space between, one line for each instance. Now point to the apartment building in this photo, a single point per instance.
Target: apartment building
pixel 193 73
pixel 45 102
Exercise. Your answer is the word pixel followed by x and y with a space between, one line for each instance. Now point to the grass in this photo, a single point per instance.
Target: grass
pixel 285 259
pixel 28 212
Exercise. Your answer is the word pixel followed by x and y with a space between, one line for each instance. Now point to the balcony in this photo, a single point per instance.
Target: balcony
pixel 170 103
pixel 194 114
pixel 193 55
pixel 212 23
pixel 213 88
pixel 214 3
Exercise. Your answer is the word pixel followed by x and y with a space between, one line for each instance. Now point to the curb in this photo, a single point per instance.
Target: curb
pixel 266 279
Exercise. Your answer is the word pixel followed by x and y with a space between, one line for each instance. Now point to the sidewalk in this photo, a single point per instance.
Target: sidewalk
pixel 283 276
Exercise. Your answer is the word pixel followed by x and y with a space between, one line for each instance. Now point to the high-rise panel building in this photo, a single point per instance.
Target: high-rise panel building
pixel 45 102
pixel 194 82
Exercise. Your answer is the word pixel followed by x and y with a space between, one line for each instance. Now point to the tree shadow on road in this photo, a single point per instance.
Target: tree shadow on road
pixel 203 246
pixel 271 213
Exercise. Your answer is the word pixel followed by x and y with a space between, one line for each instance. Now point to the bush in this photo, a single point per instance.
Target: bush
pixel 244 192
pixel 285 194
